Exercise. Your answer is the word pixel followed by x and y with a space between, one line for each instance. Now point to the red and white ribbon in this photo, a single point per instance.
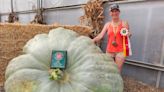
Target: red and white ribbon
pixel 126 42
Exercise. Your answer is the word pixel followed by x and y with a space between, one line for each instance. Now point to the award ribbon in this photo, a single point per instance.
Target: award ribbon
pixel 126 42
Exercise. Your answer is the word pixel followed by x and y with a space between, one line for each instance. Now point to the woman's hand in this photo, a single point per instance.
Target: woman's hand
pixel 100 36
pixel 126 25
pixel 96 39
pixel 129 34
pixel 93 40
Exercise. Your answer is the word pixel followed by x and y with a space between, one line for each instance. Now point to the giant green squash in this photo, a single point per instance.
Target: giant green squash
pixel 88 69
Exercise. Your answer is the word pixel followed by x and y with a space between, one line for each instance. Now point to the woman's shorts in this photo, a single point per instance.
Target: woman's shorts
pixel 118 56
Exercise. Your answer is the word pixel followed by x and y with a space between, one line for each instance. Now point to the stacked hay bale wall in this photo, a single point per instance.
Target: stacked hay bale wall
pixel 14 36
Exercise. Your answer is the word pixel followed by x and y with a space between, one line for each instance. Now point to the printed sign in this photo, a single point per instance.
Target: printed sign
pixel 58 59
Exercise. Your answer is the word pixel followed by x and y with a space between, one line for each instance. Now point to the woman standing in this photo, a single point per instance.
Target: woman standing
pixel 115 39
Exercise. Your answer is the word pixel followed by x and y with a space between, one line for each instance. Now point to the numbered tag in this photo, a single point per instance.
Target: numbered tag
pixel 58 59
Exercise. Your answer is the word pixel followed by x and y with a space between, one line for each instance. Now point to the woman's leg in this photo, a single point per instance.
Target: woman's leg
pixel 120 59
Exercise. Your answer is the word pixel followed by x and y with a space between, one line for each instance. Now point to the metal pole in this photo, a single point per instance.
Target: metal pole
pixel 41 4
pixel 161 62
pixel 158 79
pixel 48 9
pixel 0 17
pixel 38 5
pixel 145 65
pixel 12 6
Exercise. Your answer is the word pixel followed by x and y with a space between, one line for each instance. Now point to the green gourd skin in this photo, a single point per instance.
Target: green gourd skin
pixel 88 68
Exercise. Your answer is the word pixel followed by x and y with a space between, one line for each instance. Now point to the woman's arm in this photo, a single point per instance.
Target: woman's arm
pixel 100 36
pixel 126 25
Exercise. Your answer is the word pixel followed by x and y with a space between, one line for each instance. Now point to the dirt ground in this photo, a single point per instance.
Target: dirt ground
pixel 131 85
